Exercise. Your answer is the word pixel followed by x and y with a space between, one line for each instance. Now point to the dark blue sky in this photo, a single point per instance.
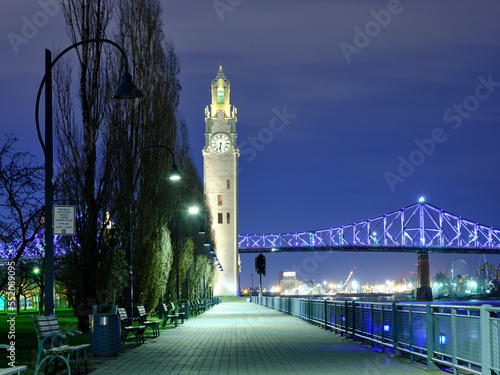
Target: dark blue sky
pixel 363 84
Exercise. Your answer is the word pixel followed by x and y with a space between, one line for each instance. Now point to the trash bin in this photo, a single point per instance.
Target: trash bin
pixel 184 309
pixel 104 330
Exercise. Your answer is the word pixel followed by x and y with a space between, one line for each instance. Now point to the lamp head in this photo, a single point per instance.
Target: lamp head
pixel 193 210
pixel 174 174
pixel 127 89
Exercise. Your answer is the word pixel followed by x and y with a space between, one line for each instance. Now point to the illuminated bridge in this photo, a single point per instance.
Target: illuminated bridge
pixel 420 228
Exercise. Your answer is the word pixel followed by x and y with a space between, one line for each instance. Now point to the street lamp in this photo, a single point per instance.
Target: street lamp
pixel 126 90
pixel 174 175
pixel 192 210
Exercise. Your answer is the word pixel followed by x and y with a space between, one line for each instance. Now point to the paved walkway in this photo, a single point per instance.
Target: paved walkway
pixel 245 338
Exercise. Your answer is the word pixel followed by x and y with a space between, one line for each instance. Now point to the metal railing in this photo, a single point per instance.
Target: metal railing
pixel 463 338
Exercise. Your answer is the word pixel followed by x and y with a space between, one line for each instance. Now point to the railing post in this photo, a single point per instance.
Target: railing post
pixel 454 360
pixel 326 315
pixel 353 320
pixel 410 333
pixel 395 332
pixel 484 324
pixel 382 324
pixel 346 319
pixel 371 325
pixel 430 337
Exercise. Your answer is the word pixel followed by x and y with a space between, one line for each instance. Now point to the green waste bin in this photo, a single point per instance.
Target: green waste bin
pixel 184 309
pixel 104 330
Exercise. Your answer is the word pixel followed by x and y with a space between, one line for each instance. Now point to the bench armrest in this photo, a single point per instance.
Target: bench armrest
pixel 52 337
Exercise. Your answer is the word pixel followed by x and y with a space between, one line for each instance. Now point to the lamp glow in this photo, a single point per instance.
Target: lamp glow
pixel 174 174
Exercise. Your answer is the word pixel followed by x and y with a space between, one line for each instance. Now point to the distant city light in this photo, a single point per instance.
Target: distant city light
pixel 442 339
pixel 386 328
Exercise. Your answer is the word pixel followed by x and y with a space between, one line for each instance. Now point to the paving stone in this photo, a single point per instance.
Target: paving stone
pixel 245 338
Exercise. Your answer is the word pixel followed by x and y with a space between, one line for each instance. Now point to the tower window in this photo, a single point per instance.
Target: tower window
pixel 228 218
pixel 219 200
pixel 228 183
pixel 220 95
pixel 220 218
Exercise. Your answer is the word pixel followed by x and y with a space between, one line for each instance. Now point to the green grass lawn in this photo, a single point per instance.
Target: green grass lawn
pixel 27 345
pixel 25 336
pixel 26 341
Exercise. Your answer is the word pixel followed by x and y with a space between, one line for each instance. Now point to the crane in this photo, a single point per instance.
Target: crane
pixel 346 284
pixel 485 266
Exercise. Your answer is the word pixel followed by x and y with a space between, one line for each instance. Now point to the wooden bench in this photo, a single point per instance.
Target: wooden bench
pixel 169 314
pixel 195 307
pixel 11 370
pixel 179 314
pixel 202 306
pixel 51 346
pixel 210 303
pixel 127 327
pixel 143 320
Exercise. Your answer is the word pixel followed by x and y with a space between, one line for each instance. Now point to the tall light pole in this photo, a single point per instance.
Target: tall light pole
pixel 126 90
pixel 174 175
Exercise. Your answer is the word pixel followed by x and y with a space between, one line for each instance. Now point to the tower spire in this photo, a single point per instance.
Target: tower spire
pixel 220 96
pixel 220 74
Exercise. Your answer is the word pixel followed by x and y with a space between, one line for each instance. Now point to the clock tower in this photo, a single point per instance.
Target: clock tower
pixel 220 175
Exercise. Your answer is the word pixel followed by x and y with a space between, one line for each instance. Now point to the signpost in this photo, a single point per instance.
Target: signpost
pixel 64 220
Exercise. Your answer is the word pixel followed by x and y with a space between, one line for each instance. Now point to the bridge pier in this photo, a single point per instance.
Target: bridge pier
pixel 424 290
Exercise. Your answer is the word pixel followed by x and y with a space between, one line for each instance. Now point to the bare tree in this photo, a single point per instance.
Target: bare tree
pixel 91 270
pixel 21 207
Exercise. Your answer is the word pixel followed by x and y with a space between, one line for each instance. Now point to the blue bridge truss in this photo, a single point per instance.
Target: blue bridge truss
pixel 420 227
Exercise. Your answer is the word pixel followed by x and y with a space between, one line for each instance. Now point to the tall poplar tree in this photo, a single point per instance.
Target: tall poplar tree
pixel 107 165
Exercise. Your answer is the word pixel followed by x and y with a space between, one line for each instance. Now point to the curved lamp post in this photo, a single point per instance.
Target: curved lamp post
pixel 126 90
pixel 174 175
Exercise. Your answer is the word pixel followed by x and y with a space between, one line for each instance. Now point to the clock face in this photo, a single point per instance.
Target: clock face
pixel 220 143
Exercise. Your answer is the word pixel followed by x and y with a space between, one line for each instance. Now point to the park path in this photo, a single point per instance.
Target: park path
pixel 245 338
